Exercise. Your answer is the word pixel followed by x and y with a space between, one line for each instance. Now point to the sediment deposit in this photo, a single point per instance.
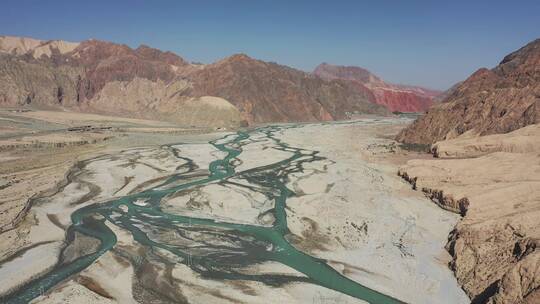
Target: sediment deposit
pixel 297 213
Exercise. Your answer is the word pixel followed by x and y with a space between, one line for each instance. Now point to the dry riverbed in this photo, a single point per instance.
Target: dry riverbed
pixel 348 208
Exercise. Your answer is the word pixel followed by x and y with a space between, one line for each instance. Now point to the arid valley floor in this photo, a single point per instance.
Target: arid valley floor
pixel 320 153
pixel 125 210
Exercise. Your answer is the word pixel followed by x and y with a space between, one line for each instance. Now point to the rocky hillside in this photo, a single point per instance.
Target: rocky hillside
pixel 395 97
pixel 108 78
pixel 499 100
pixel 265 91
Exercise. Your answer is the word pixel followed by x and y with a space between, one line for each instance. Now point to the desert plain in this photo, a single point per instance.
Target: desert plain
pixel 99 209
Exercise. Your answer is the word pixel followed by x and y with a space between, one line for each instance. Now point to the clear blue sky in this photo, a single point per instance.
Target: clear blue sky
pixel 430 43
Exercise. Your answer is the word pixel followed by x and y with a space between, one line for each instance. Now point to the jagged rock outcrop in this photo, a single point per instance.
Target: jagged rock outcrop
pixel 494 182
pixel 395 97
pixel 493 101
pixel 524 274
pixel 108 78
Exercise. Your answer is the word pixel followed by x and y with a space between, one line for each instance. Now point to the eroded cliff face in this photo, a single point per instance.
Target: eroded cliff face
pixel 26 82
pixel 394 97
pixel 109 78
pixel 494 182
pixel 104 62
pixel 500 100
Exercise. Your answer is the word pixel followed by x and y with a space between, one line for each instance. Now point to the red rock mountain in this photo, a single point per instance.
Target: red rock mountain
pixel 110 78
pixel 499 100
pixel 104 62
pixel 395 97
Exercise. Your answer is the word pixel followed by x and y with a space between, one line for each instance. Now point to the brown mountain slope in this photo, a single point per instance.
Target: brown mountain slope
pixel 394 97
pixel 109 78
pixel 500 100
pixel 265 91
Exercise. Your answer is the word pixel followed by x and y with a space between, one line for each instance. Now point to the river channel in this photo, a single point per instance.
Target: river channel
pixel 253 244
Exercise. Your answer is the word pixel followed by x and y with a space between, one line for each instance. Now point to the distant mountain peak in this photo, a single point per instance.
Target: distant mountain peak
pixel 240 57
pixel 329 71
pixel 403 98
